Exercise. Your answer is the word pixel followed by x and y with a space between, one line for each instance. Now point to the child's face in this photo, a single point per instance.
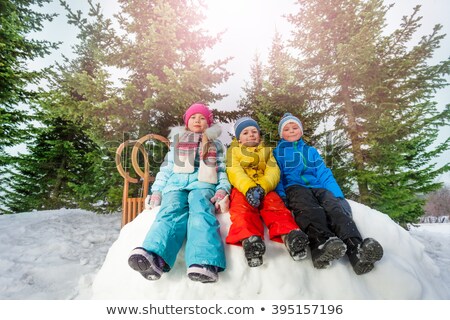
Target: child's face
pixel 197 123
pixel 249 137
pixel 292 132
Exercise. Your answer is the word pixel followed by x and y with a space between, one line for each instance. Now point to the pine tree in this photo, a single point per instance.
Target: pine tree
pixel 381 92
pixel 402 156
pixel 82 87
pixel 253 90
pixel 274 90
pixel 17 22
pixel 56 159
pixel 68 163
pixel 83 96
pixel 161 49
pixel 160 45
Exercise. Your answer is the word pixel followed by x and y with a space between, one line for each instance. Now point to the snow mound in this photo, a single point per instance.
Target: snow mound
pixel 405 272
pixel 53 254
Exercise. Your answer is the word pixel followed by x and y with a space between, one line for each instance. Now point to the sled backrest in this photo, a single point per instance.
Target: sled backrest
pixel 132 206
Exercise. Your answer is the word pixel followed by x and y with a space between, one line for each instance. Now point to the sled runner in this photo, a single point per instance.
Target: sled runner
pixel 133 205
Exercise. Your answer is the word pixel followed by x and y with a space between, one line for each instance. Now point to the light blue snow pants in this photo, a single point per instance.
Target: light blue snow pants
pixel 187 214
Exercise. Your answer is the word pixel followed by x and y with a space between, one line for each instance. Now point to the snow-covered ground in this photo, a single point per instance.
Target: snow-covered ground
pixel 407 270
pixel 60 254
pixel 75 254
pixel 53 254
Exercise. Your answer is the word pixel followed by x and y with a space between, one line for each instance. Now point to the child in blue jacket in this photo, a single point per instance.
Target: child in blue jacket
pixel 189 192
pixel 316 200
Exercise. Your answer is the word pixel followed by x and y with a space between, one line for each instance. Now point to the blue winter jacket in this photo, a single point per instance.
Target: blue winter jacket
pixel 301 164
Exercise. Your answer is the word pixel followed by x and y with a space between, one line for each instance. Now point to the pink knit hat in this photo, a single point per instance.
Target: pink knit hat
pixel 198 108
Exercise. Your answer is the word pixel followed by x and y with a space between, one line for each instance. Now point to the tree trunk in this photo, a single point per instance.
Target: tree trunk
pixel 54 196
pixel 145 124
pixel 356 145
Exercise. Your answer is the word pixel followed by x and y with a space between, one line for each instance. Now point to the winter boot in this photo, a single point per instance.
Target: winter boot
pixel 363 255
pixel 254 249
pixel 148 264
pixel 332 249
pixel 296 243
pixel 203 273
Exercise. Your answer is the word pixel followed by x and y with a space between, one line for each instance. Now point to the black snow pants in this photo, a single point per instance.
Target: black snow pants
pixel 320 215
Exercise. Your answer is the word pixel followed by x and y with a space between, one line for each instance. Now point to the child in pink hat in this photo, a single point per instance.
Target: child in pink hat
pixel 189 187
pixel 201 109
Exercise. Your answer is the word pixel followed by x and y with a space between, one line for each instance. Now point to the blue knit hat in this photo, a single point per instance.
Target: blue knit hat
pixel 288 118
pixel 243 123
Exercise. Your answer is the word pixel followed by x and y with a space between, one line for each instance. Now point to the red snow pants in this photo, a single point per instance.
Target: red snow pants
pixel 248 221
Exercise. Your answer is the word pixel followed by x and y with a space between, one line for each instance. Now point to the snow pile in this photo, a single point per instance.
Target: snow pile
pixel 405 272
pixel 53 254
pixel 436 236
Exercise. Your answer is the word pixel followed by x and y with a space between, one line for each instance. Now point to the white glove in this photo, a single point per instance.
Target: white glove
pixel 224 204
pixel 218 200
pixel 153 200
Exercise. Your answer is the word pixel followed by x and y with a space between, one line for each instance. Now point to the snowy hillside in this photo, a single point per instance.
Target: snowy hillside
pixel 56 255
pixel 405 272
pixel 53 254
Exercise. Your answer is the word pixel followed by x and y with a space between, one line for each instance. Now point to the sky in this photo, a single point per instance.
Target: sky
pixel 69 254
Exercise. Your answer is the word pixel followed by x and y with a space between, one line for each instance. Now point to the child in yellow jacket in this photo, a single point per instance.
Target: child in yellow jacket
pixel 253 172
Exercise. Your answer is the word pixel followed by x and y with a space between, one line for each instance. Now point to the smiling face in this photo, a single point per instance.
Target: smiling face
pixel 250 137
pixel 292 132
pixel 197 123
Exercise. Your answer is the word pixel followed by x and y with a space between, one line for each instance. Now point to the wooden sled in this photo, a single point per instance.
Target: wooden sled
pixel 132 206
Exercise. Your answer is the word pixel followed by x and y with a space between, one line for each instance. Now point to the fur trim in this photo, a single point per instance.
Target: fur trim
pixel 176 131
pixel 212 132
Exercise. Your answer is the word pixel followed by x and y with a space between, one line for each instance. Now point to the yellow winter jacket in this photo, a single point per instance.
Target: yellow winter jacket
pixel 251 166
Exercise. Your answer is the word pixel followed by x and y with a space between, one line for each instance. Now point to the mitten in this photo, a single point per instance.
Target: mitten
pixel 155 200
pixel 254 196
pixel 218 197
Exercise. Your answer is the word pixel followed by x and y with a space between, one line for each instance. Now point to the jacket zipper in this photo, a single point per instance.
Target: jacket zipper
pixel 306 181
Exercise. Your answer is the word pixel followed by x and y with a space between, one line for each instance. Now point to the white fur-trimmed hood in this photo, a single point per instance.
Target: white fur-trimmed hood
pixel 212 132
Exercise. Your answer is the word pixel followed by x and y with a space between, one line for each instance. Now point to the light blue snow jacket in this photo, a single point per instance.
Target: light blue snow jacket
pixel 301 164
pixel 187 213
